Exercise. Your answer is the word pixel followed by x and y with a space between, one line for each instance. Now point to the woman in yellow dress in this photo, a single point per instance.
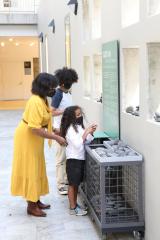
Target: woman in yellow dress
pixel 29 178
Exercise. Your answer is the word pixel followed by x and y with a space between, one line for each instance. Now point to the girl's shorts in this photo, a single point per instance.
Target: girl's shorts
pixel 75 171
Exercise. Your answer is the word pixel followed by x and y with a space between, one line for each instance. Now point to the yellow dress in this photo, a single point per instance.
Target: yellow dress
pixel 29 177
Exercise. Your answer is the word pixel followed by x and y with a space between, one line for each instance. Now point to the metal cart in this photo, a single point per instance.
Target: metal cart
pixel 112 189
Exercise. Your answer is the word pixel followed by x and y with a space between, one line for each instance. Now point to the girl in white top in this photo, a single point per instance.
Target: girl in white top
pixel 72 129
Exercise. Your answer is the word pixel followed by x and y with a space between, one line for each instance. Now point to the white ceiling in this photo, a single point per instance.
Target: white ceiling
pixel 33 41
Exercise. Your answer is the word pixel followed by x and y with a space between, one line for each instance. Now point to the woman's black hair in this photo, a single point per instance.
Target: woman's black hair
pixel 69 118
pixel 66 75
pixel 43 83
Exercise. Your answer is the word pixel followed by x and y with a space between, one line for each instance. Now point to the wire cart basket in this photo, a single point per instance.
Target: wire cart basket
pixel 112 188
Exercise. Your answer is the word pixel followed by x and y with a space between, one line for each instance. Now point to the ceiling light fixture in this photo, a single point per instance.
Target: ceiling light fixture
pixel 31 44
pixel 52 24
pixel 11 39
pixel 41 37
pixel 2 44
pixel 75 3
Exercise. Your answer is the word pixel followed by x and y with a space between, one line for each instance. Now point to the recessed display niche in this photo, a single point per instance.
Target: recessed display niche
pixel 87 76
pixel 129 12
pixel 131 80
pixel 153 7
pixel 154 80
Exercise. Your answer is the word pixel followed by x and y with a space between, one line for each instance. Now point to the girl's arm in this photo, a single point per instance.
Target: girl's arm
pixel 89 132
pixel 77 140
pixel 85 134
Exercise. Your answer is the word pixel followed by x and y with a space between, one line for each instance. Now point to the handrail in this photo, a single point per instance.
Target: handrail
pixel 19 6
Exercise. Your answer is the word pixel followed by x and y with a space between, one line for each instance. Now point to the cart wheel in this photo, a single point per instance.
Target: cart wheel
pixel 141 235
pixel 104 236
pixel 138 235
pixel 93 220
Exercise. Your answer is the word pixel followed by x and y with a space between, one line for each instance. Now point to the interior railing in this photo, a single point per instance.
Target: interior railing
pixel 19 6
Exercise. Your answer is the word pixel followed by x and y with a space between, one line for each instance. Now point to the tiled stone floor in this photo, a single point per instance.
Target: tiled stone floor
pixel 14 222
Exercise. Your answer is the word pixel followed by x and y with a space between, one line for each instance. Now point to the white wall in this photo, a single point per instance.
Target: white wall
pixel 139 132
pixel 18 30
pixel 56 43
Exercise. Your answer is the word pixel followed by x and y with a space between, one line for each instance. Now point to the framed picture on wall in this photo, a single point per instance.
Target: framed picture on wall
pixel 27 68
pixel 67 41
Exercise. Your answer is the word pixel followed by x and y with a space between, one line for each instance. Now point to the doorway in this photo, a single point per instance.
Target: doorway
pixel 15 81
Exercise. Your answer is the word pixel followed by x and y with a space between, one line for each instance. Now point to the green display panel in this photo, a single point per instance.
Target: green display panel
pixel 111 99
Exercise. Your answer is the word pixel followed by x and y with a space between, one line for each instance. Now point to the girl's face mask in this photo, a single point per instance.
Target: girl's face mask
pixel 79 120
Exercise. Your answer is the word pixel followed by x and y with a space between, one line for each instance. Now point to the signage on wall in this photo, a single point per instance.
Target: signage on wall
pixel 111 89
pixel 27 68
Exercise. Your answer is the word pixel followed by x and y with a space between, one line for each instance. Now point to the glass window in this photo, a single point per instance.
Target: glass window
pixel 97 77
pixel 68 41
pixel 131 80
pixel 154 80
pixel 86 20
pixel 96 19
pixel 130 12
pixel 40 56
pixel 87 76
pixel 46 53
pixel 7 3
pixel 153 7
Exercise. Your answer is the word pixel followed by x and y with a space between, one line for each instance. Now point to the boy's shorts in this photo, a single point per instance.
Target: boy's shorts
pixel 75 171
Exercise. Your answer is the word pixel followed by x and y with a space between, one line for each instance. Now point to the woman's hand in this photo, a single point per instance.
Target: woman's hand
pixel 45 134
pixel 56 131
pixel 60 140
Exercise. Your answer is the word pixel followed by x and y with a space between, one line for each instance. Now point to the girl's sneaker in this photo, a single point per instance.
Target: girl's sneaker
pixel 78 211
pixel 63 191
pixel 85 208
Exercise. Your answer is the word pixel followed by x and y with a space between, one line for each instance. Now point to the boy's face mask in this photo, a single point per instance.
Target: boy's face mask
pixel 67 86
pixel 79 120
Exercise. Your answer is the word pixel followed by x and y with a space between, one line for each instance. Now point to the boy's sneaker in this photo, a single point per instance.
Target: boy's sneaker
pixel 78 211
pixel 63 191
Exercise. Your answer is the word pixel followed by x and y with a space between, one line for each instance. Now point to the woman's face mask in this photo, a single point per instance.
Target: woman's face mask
pixel 51 92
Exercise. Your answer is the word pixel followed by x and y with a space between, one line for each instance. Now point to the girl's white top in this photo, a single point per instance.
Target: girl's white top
pixel 75 148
